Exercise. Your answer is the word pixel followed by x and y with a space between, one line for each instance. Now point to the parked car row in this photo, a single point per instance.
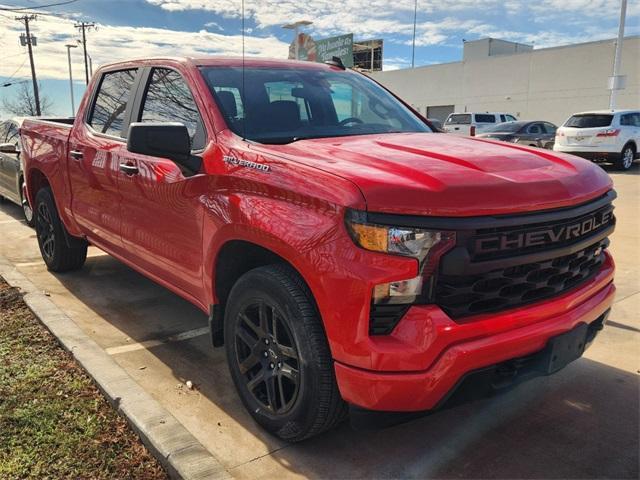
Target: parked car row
pixel 611 136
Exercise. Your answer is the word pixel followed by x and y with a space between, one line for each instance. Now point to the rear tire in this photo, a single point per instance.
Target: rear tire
pixel 53 240
pixel 627 156
pixel 278 354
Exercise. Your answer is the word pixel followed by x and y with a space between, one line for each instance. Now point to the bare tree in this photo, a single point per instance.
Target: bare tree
pixel 23 103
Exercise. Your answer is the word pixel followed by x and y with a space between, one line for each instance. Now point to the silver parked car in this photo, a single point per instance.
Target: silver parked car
pixel 12 182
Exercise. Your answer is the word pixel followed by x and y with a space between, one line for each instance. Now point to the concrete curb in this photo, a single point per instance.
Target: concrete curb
pixel 169 441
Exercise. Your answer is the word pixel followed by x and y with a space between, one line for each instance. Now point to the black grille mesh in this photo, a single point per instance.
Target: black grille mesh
pixel 464 295
pixel 384 317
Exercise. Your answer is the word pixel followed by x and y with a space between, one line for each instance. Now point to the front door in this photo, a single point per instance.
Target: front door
pixel 160 207
pixel 94 152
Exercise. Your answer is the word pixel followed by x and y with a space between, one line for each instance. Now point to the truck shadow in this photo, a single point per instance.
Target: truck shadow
pixel 580 423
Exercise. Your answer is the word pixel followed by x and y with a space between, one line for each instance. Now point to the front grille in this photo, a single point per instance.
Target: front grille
pixel 501 289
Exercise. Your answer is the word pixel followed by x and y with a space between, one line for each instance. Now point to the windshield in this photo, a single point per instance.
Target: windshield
pixel 507 127
pixel 281 105
pixel 459 119
pixel 589 120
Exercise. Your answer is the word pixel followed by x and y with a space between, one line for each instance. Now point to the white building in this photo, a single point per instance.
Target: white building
pixel 534 84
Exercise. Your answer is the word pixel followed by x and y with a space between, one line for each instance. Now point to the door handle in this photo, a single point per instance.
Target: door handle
pixel 128 169
pixel 76 154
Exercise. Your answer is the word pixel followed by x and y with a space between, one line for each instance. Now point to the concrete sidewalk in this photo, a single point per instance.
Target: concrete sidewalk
pixel 580 423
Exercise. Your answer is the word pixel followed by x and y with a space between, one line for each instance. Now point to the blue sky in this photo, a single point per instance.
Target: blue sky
pixel 136 28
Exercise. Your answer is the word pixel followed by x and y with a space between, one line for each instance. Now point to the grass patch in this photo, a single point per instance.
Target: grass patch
pixel 54 422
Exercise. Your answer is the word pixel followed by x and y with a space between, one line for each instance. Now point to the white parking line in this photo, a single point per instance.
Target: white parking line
pixel 131 347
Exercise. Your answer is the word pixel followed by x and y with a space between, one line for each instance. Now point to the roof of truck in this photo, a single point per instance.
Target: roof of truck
pixel 230 61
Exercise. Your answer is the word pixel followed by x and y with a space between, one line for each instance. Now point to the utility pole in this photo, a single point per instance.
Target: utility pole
pixel 29 40
pixel 616 82
pixel 84 26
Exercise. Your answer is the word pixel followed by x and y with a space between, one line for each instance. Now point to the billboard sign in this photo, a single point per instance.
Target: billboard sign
pixel 325 49
pixel 341 46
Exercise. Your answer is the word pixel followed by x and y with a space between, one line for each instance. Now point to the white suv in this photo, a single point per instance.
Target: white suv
pixel 469 123
pixel 604 135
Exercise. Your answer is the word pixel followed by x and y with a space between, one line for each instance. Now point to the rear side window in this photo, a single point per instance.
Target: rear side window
pixel 459 119
pixel 511 118
pixel 589 120
pixel 107 114
pixel 535 128
pixel 168 99
pixel 630 119
pixel 485 118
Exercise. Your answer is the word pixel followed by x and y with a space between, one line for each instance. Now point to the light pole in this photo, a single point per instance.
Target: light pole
pixel 413 48
pixel 295 27
pixel 616 82
pixel 73 103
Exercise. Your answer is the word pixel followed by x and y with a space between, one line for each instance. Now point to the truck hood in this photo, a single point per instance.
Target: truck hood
pixel 444 175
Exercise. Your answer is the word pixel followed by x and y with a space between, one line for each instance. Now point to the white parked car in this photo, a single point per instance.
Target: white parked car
pixel 603 135
pixel 469 123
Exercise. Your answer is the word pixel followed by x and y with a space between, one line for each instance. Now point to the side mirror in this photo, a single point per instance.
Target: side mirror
pixel 8 148
pixel 166 140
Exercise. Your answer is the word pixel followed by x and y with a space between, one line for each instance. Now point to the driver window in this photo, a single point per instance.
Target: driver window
pixel 168 99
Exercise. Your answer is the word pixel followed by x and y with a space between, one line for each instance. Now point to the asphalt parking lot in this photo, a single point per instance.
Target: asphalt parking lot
pixel 581 423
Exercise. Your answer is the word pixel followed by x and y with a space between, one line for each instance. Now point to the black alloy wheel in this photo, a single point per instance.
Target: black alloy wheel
pixel 267 357
pixel 45 231
pixel 278 354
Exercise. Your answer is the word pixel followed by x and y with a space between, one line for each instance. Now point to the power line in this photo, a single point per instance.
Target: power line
pixel 17 69
pixel 35 7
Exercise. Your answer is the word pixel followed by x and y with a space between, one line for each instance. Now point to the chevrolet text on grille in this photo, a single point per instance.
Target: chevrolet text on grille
pixel 511 241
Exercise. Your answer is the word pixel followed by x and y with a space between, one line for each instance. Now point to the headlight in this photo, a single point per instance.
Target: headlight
pixel 409 242
pixel 390 301
pixel 426 246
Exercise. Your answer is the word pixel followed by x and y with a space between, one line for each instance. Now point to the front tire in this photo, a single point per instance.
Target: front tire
pixel 26 208
pixel 278 354
pixel 57 253
pixel 627 156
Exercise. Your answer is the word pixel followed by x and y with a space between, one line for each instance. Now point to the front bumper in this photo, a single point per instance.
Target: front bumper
pixel 456 349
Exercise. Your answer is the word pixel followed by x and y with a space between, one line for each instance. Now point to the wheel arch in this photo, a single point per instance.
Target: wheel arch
pixel 36 180
pixel 233 259
pixel 633 144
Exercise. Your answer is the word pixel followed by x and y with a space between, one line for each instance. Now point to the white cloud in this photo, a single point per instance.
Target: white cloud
pixel 108 44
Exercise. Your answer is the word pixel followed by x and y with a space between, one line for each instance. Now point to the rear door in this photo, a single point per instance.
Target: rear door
pixel 95 148
pixel 160 210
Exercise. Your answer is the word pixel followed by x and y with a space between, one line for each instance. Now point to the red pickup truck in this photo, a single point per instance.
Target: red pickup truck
pixel 347 254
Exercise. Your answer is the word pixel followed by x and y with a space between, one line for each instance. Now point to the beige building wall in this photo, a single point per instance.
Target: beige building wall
pixel 544 84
